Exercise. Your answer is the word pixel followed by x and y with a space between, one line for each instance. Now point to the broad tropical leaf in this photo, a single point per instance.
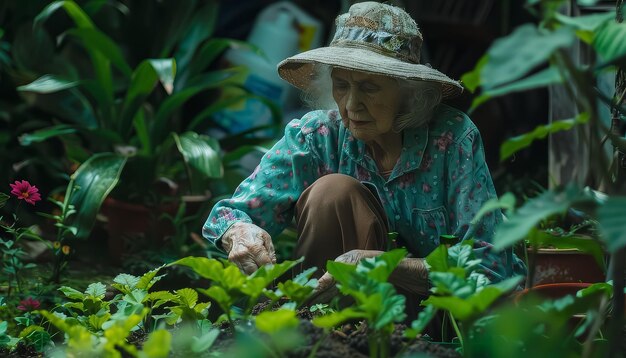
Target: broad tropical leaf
pixel 610 43
pixel 531 46
pixel 46 133
pixel 533 211
pixel 611 218
pixel 48 84
pixel 200 152
pixel 94 179
pixel 142 84
pixel 515 144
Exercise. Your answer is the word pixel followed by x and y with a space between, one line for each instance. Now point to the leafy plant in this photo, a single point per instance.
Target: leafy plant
pixel 64 232
pixel 542 60
pixel 12 254
pixel 376 300
pixel 566 326
pixel 459 288
pixel 128 120
pixel 229 286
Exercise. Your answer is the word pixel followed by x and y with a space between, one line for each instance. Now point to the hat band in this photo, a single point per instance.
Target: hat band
pixel 381 42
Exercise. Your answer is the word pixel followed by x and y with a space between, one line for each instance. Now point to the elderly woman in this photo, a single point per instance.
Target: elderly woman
pixel 388 158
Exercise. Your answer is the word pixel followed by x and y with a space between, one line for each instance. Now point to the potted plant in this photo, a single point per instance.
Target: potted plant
pixel 542 60
pixel 123 119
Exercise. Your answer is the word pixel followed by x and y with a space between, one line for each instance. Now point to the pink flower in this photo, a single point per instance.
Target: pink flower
pixel 426 188
pixel 444 141
pixel 254 203
pixel 323 130
pixel 29 304
pixel 406 181
pixel 362 174
pixel 24 191
pixel 427 161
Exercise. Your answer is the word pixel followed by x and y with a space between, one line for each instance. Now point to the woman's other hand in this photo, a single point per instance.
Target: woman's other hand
pixel 410 275
pixel 248 246
pixel 327 288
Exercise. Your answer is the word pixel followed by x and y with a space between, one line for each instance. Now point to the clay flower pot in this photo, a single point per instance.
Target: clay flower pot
pixel 128 219
pixel 565 265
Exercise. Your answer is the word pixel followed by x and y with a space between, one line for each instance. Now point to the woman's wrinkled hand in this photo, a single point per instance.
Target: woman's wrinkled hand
pixel 327 288
pixel 248 246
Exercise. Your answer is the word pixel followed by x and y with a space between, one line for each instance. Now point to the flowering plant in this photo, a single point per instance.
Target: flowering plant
pixel 28 304
pixel 24 191
pixel 13 265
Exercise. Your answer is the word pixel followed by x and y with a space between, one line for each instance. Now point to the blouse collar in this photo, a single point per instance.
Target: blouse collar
pixel 414 145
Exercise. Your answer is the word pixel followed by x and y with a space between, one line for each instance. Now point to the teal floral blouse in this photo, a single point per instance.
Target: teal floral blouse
pixel 437 186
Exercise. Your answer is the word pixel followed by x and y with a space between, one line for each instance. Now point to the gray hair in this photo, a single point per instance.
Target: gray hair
pixel 422 98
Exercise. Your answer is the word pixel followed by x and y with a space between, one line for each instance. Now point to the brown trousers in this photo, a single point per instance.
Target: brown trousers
pixel 337 214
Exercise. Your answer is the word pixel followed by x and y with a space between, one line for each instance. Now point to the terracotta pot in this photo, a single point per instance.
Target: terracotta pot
pixel 565 265
pixel 554 290
pixel 128 219
pixel 140 221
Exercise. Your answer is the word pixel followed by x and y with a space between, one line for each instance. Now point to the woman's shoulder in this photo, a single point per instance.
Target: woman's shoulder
pixel 316 121
pixel 451 123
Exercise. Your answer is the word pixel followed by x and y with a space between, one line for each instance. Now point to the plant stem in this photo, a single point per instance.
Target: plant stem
pixel 457 330
pixel 531 266
pixel 316 346
pixel 597 323
pixel 617 275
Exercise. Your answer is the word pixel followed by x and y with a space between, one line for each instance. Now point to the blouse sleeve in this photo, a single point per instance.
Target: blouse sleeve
pixel 469 187
pixel 267 197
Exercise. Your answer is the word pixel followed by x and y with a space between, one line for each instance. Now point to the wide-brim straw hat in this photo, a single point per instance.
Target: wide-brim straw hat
pixel 373 38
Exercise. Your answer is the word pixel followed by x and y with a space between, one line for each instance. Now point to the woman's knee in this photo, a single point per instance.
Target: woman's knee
pixel 333 189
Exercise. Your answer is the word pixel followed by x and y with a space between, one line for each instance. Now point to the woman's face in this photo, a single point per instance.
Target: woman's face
pixel 368 103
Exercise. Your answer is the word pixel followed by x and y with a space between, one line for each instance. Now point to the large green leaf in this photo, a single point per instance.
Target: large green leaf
pixel 540 79
pixel 610 43
pixel 534 210
pixel 46 133
pixel 506 201
pixel 611 218
pixel 166 71
pixel 205 56
pixel 69 105
pixel 200 152
pixel 95 179
pixel 276 321
pixel 73 10
pixel 573 241
pixel 379 268
pixel 205 267
pixel 142 84
pixel 437 260
pixel 98 41
pixel 200 28
pixel 48 84
pixel 158 345
pixel 531 47
pixel 217 79
pixel 515 144
pixel 471 80
pixel 586 25
pixel 100 63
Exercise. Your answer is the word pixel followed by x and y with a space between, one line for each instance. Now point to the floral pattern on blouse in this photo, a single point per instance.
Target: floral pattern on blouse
pixel 437 186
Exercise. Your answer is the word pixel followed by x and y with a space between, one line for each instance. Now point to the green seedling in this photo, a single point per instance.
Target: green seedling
pixel 376 300
pixel 459 289
pixel 230 286
pixel 297 291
